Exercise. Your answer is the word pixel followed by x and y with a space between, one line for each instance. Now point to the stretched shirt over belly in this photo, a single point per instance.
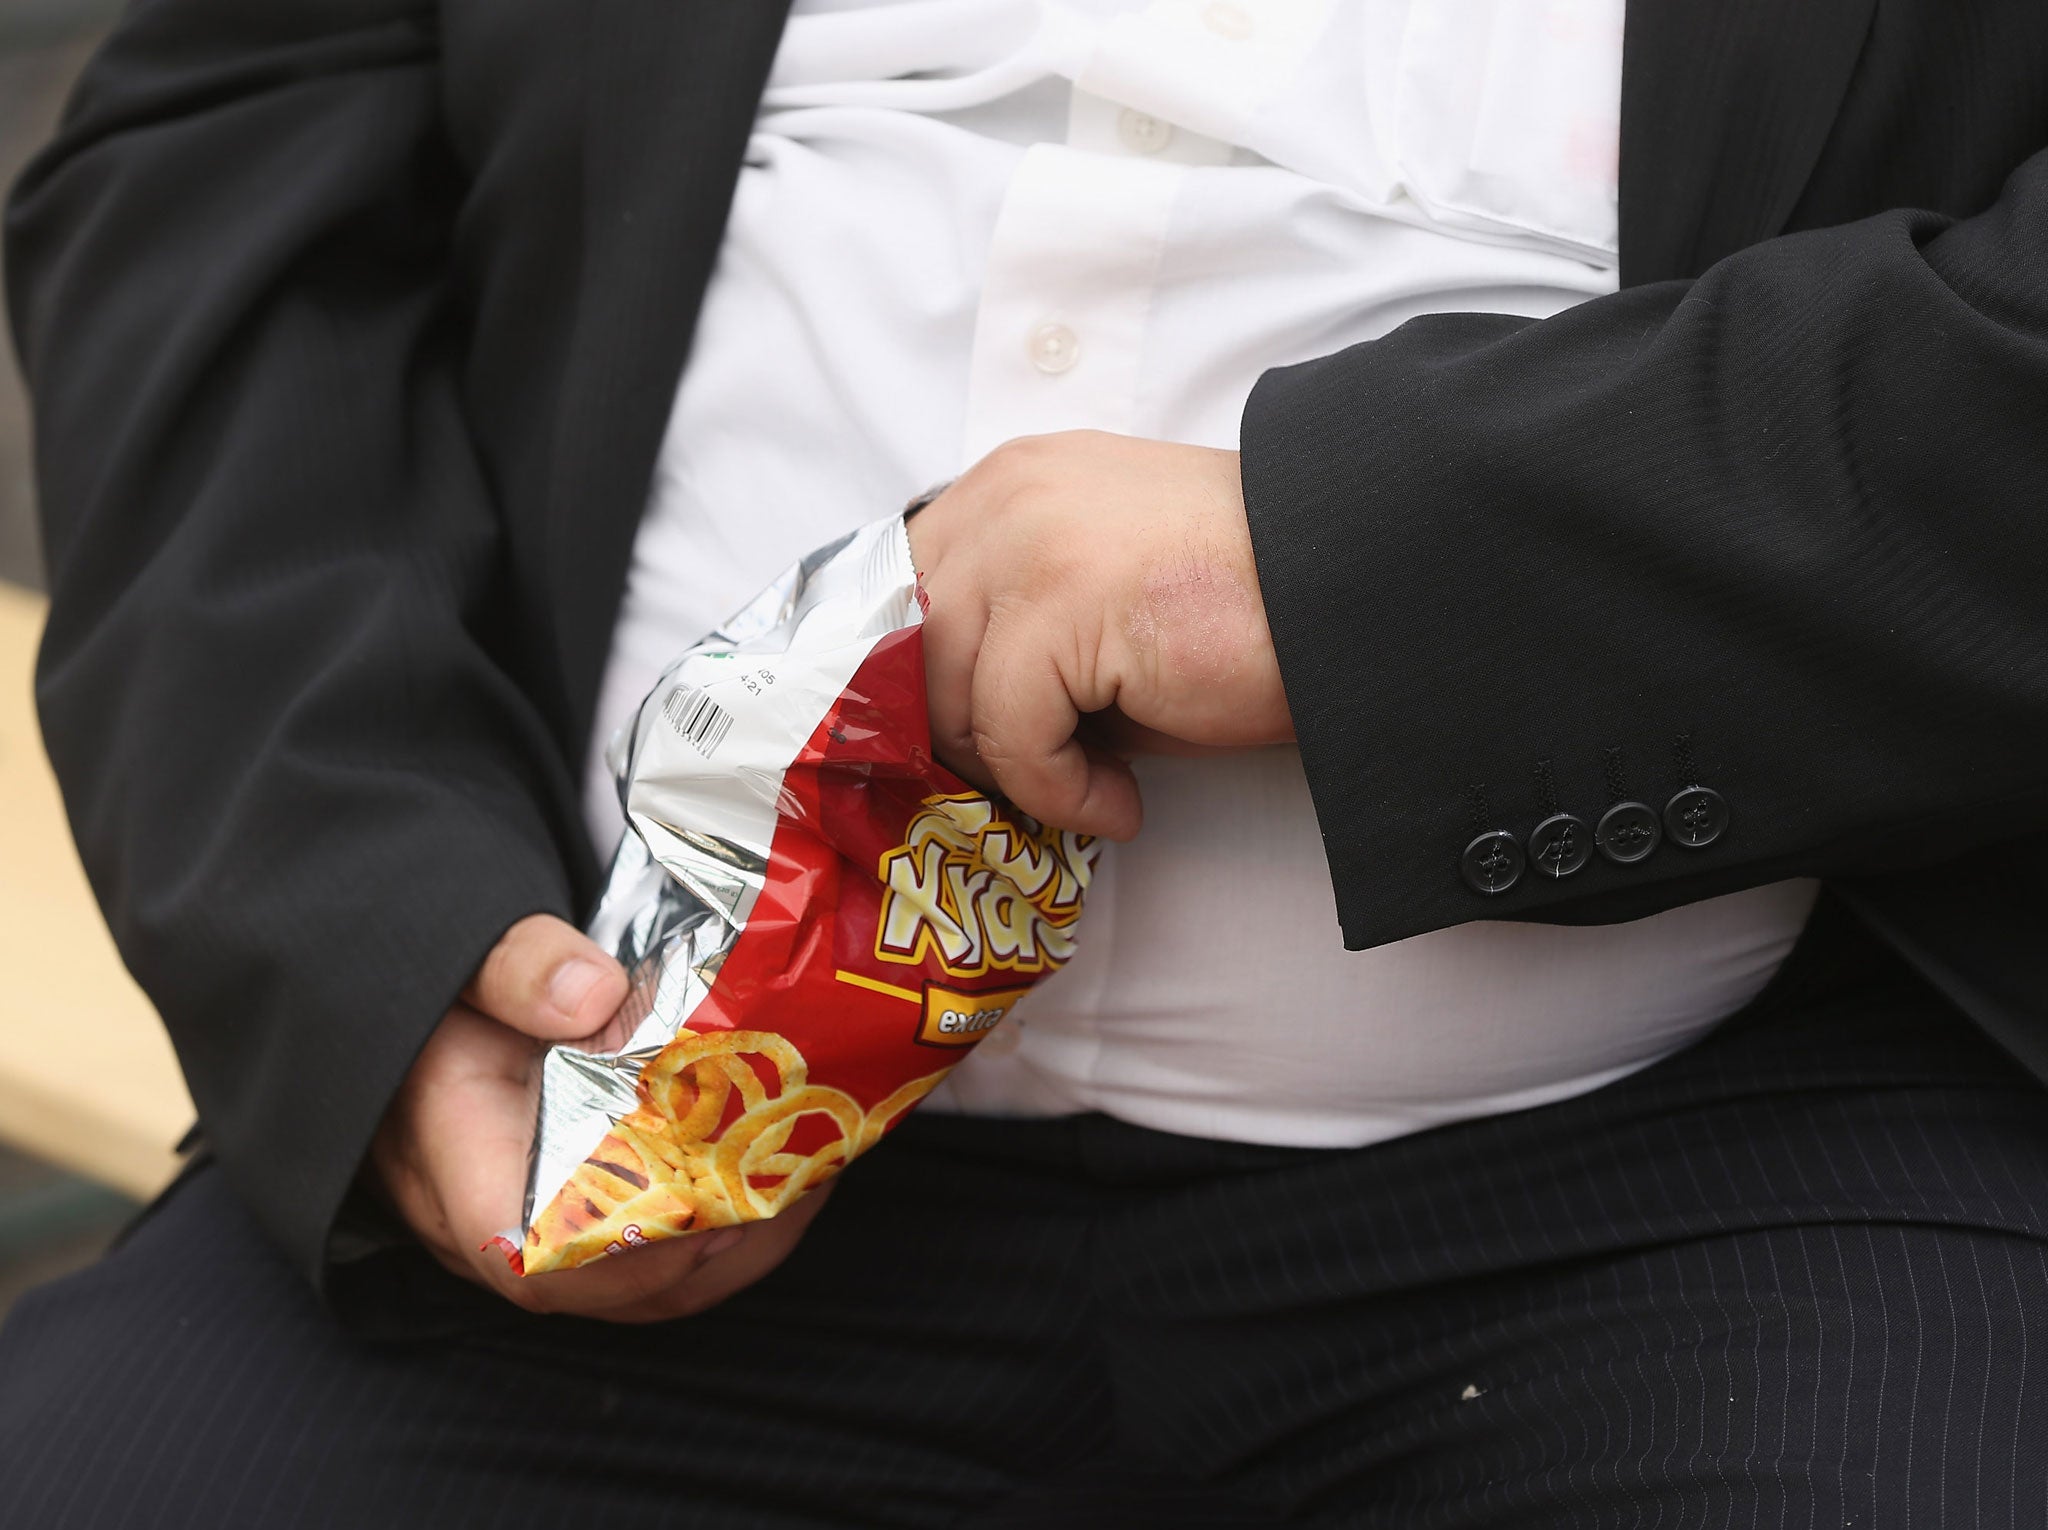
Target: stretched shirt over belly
pixel 961 221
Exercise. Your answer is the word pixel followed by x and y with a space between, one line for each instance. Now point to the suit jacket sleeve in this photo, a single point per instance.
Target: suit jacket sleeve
pixel 1778 531
pixel 307 795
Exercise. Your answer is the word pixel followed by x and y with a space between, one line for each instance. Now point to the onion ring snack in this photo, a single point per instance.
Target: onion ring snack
pixel 818 918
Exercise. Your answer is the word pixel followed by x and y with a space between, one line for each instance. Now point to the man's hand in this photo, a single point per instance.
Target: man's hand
pixel 452 1150
pixel 1089 573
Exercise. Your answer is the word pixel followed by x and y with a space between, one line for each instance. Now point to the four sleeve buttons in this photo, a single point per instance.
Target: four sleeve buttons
pixel 1562 844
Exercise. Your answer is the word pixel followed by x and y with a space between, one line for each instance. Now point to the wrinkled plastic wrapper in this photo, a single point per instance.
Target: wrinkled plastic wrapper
pixel 819 920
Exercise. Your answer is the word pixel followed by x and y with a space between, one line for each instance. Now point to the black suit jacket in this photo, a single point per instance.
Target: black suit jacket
pixel 353 326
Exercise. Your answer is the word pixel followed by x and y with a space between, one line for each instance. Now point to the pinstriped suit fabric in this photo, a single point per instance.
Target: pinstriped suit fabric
pixel 1796 1276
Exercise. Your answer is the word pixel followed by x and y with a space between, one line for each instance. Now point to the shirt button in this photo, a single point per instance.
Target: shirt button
pixel 1227 20
pixel 1142 133
pixel 1560 845
pixel 1628 831
pixel 1054 348
pixel 1492 863
pixel 1695 817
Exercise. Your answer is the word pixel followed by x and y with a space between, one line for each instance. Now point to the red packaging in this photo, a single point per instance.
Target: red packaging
pixel 820 919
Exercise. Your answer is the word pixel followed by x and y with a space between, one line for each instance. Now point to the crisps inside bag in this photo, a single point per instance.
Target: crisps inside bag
pixel 819 920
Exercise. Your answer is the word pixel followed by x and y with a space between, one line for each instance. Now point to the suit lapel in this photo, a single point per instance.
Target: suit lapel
pixel 1725 105
pixel 673 86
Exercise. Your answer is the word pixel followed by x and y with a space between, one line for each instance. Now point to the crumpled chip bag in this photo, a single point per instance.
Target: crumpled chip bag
pixel 819 920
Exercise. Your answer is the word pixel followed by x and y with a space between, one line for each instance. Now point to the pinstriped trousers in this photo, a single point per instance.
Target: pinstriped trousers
pixel 1794 1276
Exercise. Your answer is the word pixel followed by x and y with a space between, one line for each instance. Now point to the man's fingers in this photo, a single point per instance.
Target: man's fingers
pixel 481 1172
pixel 675 1278
pixel 1002 716
pixel 1023 720
pixel 549 980
pixel 620 1284
pixel 953 629
pixel 469 1128
pixel 452 1155
pixel 755 1249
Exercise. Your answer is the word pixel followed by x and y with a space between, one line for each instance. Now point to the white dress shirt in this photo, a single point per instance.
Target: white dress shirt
pixel 961 221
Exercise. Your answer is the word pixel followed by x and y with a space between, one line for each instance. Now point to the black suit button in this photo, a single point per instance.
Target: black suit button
pixel 1560 845
pixel 1492 863
pixel 1628 831
pixel 1696 816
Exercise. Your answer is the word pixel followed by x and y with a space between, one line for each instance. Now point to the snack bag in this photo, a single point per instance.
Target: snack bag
pixel 819 920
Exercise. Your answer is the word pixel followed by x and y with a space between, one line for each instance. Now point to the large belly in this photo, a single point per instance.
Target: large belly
pixel 1212 994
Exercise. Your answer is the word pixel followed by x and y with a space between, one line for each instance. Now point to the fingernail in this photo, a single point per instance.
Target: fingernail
pixel 572 983
pixel 718 1242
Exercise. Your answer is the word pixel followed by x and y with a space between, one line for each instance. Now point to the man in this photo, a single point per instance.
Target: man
pixel 1677 554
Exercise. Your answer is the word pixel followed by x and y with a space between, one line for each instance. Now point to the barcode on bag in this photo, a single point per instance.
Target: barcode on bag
pixel 697 718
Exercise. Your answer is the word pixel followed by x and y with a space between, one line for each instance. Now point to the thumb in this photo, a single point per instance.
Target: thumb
pixel 549 980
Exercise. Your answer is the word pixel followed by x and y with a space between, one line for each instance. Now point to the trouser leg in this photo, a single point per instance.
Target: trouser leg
pixel 1794 1276
pixel 1869 1375
pixel 919 1358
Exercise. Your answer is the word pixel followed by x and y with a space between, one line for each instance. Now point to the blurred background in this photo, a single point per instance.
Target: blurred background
pixel 90 1100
